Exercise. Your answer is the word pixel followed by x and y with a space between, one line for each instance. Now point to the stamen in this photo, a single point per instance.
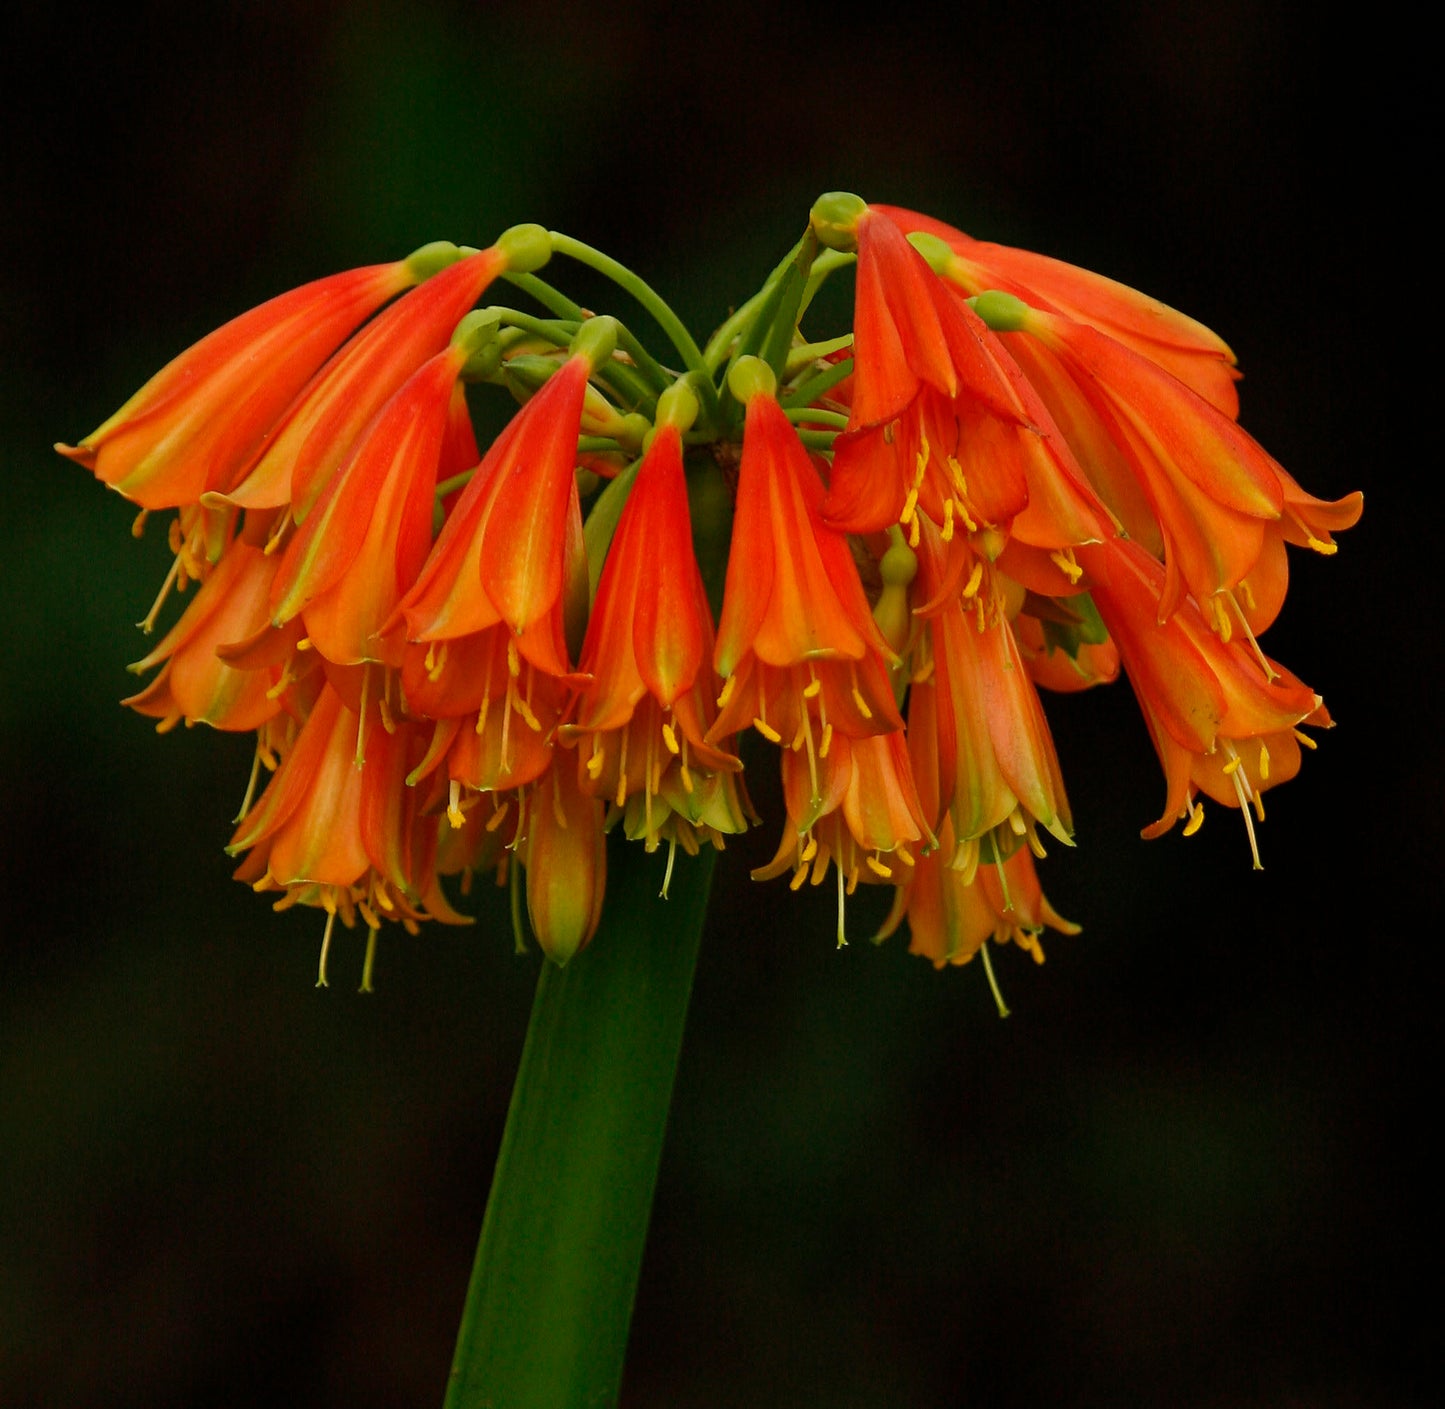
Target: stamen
pixel 948 520
pixel 454 804
pixel 877 866
pixel 148 622
pixel 495 820
pixel 842 938
pixel 810 850
pixel 727 691
pixel 992 981
pixel 368 964
pixel 1196 818
pixel 670 738
pixel 139 526
pixel 1065 563
pixel 251 784
pixel 325 948
pixel 1263 762
pixel 1305 739
pixel 910 504
pixel 975 579
pixel 799 876
pixel 767 731
pixel 1270 673
pixel 826 741
pixel 667 874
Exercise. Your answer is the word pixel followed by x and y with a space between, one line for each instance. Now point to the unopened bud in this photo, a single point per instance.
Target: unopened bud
pixel 677 406
pixel 749 377
pixel 431 259
pixel 596 340
pixel 1002 312
pixel 835 217
pixel 526 248
pixel 934 250
pixel 477 336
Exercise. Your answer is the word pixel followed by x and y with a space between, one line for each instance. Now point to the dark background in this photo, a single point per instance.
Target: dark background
pixel 1187 1171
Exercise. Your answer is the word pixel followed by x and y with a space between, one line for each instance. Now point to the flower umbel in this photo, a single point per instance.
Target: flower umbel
pixel 1010 477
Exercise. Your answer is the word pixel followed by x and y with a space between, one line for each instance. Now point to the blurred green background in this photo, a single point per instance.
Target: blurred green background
pixel 1185 1172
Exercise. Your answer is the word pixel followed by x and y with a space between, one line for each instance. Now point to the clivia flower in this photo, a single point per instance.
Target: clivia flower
pixel 641 719
pixel 1009 475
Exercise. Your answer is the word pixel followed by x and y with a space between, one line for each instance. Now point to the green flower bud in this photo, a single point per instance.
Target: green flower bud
pixel 750 375
pixel 677 406
pixel 834 219
pixel 1002 312
pixel 596 339
pixel 431 259
pixel 934 250
pixel 526 247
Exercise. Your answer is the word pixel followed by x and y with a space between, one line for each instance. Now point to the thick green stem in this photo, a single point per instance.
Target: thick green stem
pixel 550 1300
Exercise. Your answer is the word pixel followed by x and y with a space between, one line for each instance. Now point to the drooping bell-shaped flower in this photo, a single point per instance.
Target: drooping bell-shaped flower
pixel 797 646
pixel 1200 358
pixel 360 550
pixel 1215 708
pixel 642 718
pixel 200 421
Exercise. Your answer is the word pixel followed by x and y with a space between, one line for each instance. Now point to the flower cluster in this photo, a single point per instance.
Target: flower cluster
pixel 1010 474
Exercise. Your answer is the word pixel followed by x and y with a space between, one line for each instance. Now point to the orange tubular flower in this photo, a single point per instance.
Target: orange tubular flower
pixel 1209 487
pixel 349 564
pixel 327 416
pixel 928 394
pixel 1186 348
pixel 797 647
pixel 195 684
pixel 951 915
pixel 200 421
pixel 642 719
pixel 337 827
pixel 1216 709
pixel 564 849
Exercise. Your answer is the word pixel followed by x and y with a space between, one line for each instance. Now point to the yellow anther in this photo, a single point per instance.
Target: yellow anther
pixel 454 804
pixel 1328 549
pixel 594 766
pixel 799 876
pixel 1263 761
pixel 304 644
pixel 920 462
pixel 622 789
pixel 1064 561
pixel 139 526
pixel 810 850
pixel 1247 593
pixel 686 774
pixel 905 857
pixel 496 819
pixel 826 740
pixel 369 915
pixel 975 580
pixel 436 660
pixel 876 865
pixel 948 520
pixel 670 738
pixel 913 533
pixel 727 691
pixel 861 703
pixel 812 689
pixel 909 505
pixel 1232 766
pixel 514 661
pixel 1196 818
pixel 767 731
pixel 525 710
pixel 1305 739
